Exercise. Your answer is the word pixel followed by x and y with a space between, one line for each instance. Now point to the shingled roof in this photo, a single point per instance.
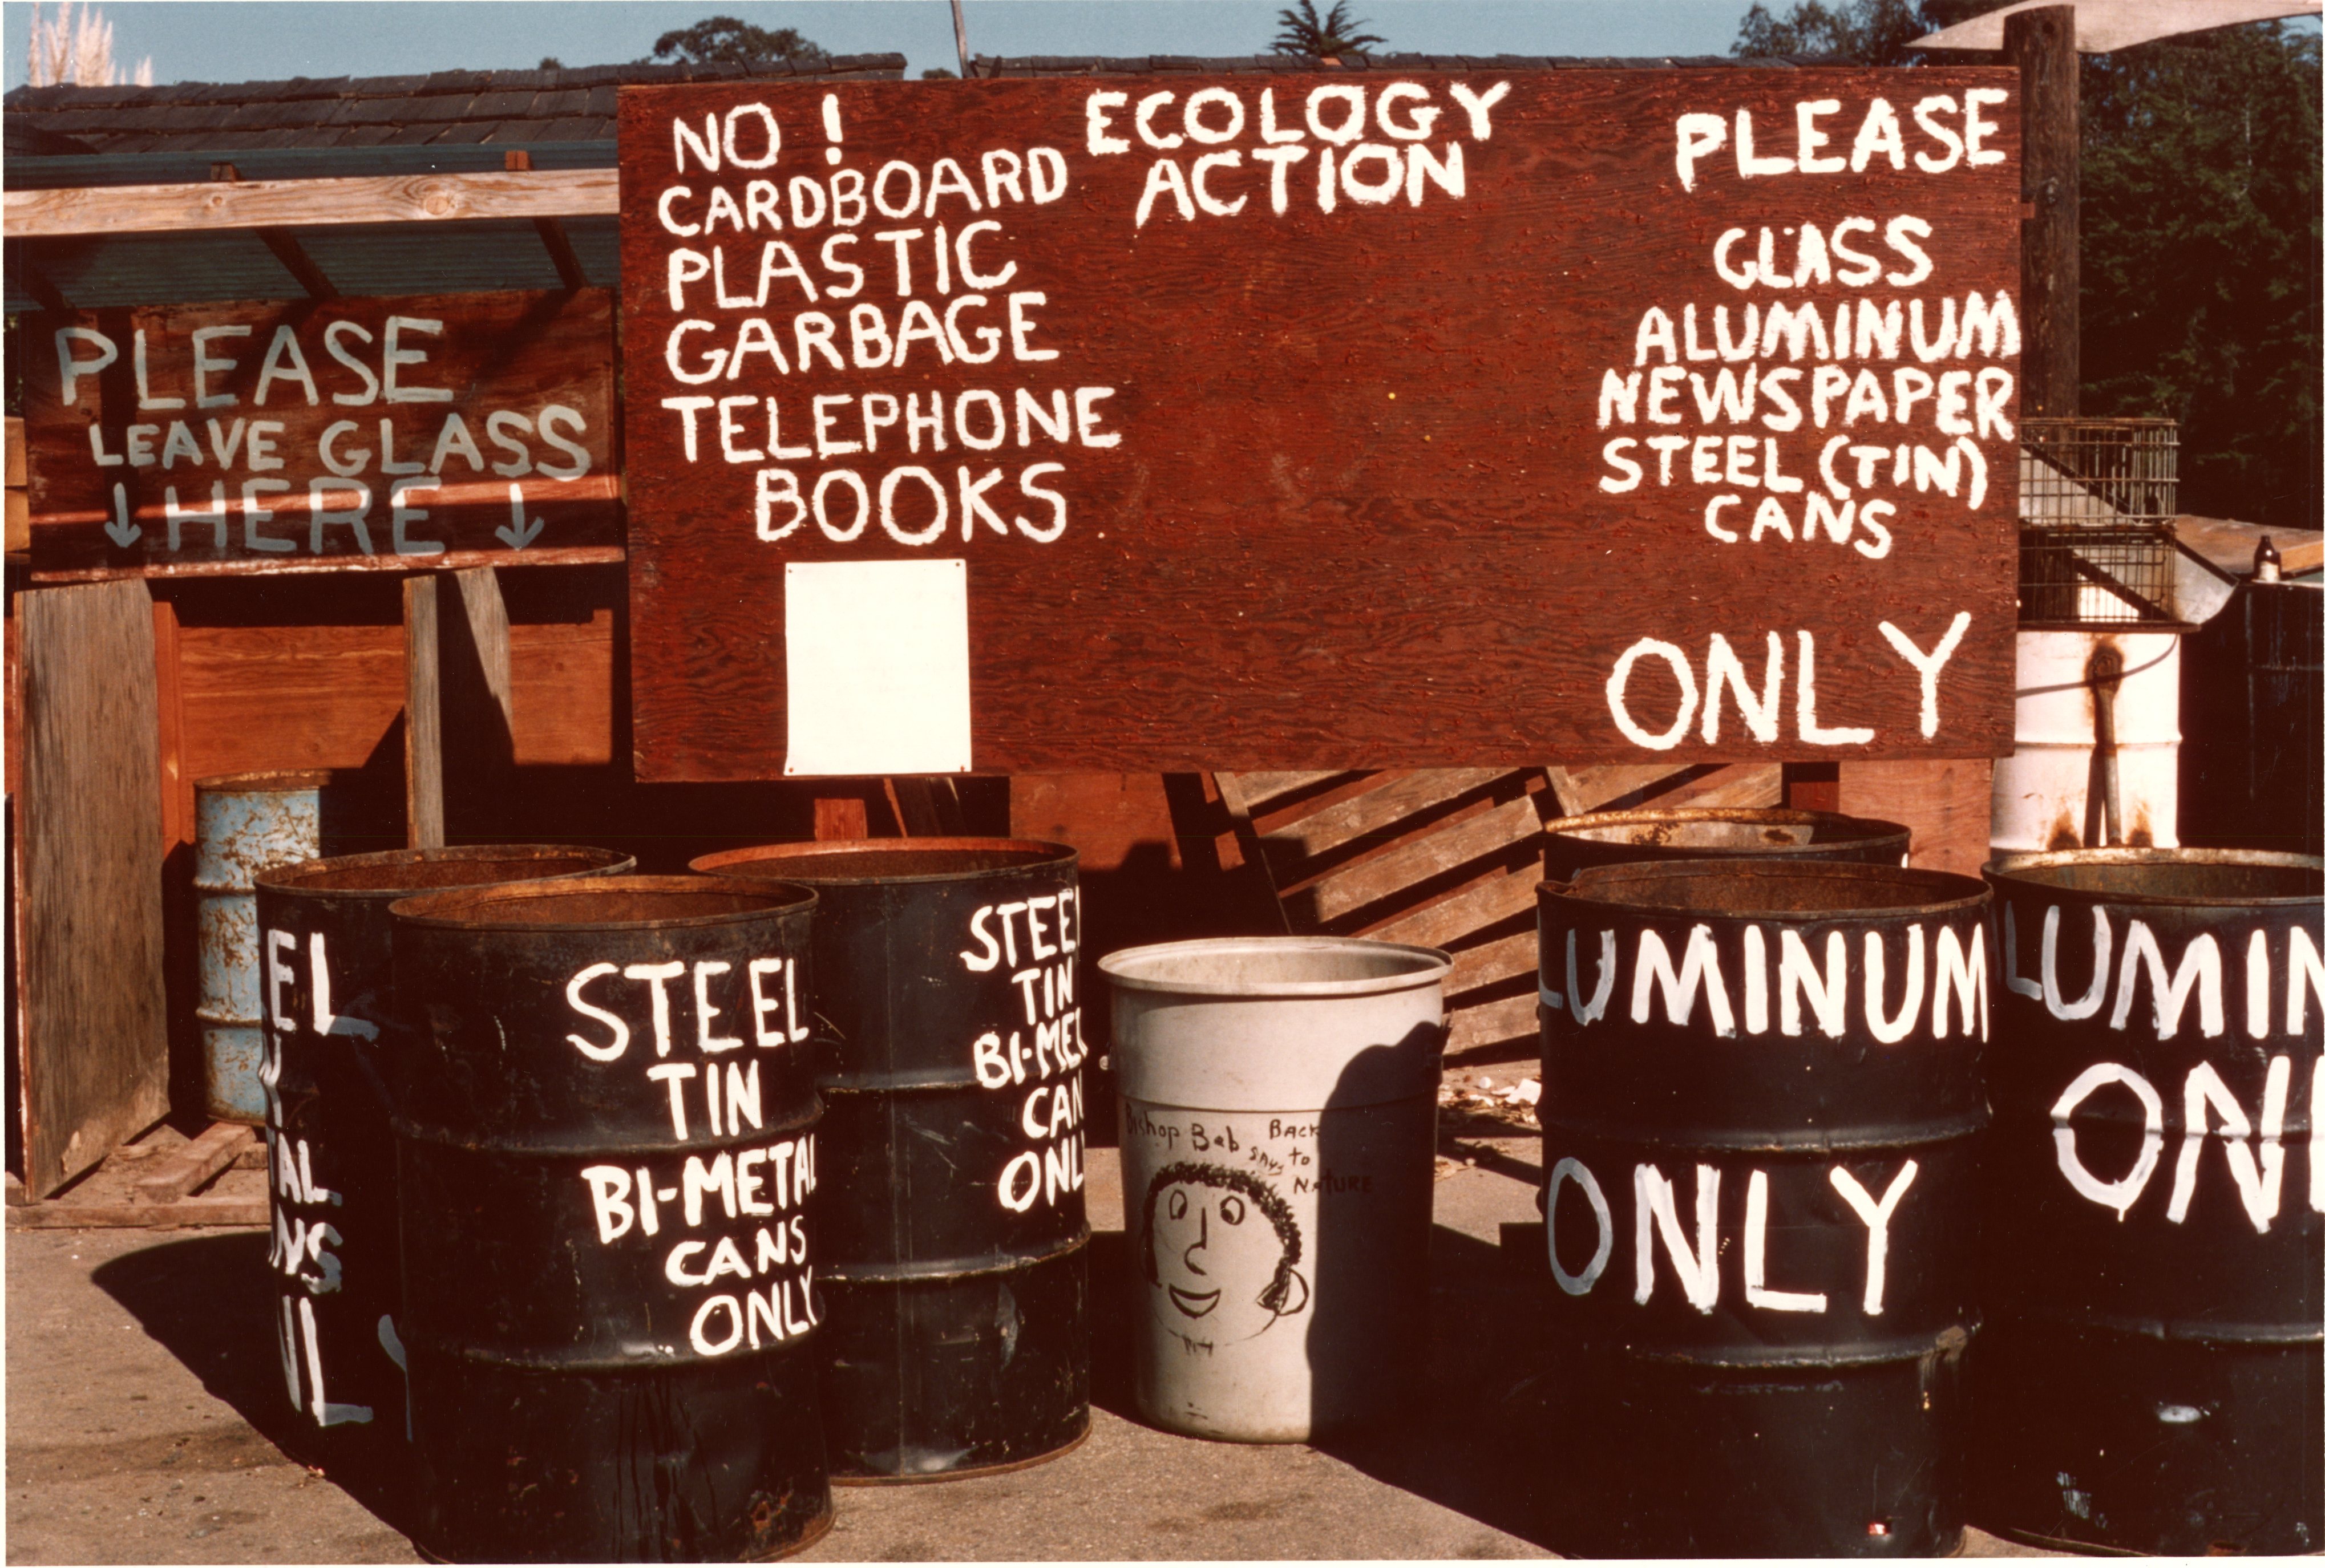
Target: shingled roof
pixel 447 109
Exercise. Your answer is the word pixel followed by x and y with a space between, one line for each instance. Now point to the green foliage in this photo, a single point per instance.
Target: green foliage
pixel 937 73
pixel 2200 236
pixel 725 41
pixel 1331 35
pixel 549 63
pixel 2200 259
pixel 1860 32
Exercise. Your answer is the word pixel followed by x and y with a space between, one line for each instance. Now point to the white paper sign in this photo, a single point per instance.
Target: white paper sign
pixel 876 667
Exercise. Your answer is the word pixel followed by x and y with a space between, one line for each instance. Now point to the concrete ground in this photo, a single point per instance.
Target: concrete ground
pixel 144 1403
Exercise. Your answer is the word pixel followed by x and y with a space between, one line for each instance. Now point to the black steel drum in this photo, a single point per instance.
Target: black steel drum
pixel 954 1242
pixel 606 1141
pixel 1761 1102
pixel 2153 1377
pixel 327 1024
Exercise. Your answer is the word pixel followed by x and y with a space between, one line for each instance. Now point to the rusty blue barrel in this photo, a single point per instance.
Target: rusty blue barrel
pixel 606 1139
pixel 243 824
pixel 1762 1100
pixel 2153 1377
pixel 329 1027
pixel 956 1245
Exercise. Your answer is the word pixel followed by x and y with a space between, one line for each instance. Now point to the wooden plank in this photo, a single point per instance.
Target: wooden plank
pixel 2230 544
pixel 1368 882
pixel 185 1214
pixel 1281 543
pixel 359 435
pixel 1259 788
pixel 1741 784
pixel 94 1040
pixel 1950 806
pixel 169 728
pixel 1474 967
pixel 179 1174
pixel 1380 810
pixel 423 713
pixel 1582 790
pixel 1472 908
pixel 116 209
pixel 20 523
pixel 476 716
pixel 1237 807
pixel 1511 1018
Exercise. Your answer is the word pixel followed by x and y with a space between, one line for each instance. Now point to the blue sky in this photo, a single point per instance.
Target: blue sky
pixel 260 39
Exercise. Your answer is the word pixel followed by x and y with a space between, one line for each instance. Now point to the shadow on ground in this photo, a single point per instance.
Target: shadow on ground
pixel 1471 1446
pixel 209 1300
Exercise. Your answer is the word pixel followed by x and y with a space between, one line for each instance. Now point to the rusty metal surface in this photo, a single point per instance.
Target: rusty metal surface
pixel 2154 1378
pixel 960 1335
pixel 330 1030
pixel 243 824
pixel 606 1130
pixel 1763 1089
pixel 1718 832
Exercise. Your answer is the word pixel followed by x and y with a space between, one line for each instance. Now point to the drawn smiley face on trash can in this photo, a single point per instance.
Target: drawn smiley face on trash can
pixel 1220 1249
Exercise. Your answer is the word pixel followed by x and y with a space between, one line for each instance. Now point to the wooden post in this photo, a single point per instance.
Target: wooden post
pixel 95 1038
pixel 2042 44
pixel 423 717
pixel 458 706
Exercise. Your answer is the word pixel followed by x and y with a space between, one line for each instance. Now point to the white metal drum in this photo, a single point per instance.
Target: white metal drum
pixel 2042 796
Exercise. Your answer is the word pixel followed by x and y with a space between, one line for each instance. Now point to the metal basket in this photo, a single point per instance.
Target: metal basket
pixel 2096 499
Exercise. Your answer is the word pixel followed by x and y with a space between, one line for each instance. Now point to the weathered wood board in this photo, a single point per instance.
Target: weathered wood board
pixel 94 1045
pixel 450 431
pixel 1326 422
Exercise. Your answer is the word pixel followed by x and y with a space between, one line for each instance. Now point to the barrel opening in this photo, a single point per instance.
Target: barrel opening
pixel 1742 888
pixel 611 909
pixel 1250 967
pixel 409 872
pixel 2196 881
pixel 883 860
pixel 1704 835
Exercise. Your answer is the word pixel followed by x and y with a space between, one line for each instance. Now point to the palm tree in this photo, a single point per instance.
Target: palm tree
pixel 1326 38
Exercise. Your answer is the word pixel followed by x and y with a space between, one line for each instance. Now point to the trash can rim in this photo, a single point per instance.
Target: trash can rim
pixel 468 908
pixel 311 878
pixel 268 780
pixel 1429 966
pixel 1948 891
pixel 2024 869
pixel 1860 827
pixel 742 865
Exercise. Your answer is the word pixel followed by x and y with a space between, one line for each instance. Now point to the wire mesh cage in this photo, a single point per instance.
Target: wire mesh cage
pixel 2097 499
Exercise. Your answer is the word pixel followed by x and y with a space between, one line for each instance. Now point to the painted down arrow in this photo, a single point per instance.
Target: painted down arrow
pixel 119 528
pixel 518 531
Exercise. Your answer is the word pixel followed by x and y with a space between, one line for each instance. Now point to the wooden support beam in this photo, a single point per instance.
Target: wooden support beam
pixel 518 161
pixel 94 1035
pixel 279 203
pixel 298 263
pixel 176 1175
pixel 459 706
pixel 2042 43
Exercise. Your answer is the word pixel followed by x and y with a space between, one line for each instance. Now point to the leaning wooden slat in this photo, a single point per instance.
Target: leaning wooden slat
pixel 1511 1018
pixel 1479 966
pixel 177 1174
pixel 1381 809
pixel 291 203
pixel 1738 784
pixel 1369 882
pixel 1582 789
pixel 1259 788
pixel 1471 909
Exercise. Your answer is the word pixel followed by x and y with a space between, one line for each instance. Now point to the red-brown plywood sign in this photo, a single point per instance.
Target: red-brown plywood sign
pixel 1334 420
pixel 450 431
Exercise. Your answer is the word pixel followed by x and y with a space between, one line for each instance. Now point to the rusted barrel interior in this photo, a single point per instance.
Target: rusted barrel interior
pixel 955 1242
pixel 1718 832
pixel 2153 1377
pixel 329 1027
pixel 1763 1093
pixel 606 1132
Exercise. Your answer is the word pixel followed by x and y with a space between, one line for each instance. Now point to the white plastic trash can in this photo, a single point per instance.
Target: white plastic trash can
pixel 1279 1121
